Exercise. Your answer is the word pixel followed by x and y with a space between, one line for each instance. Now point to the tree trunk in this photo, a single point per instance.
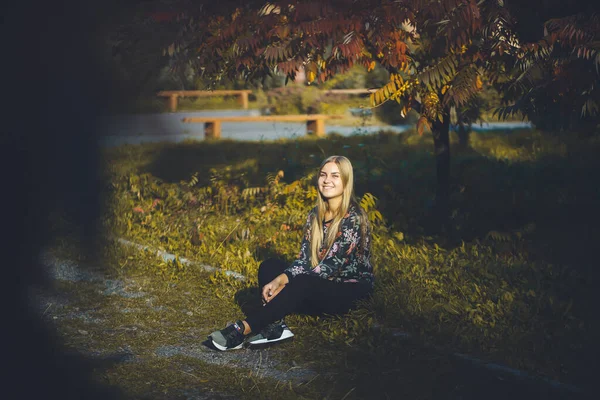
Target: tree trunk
pixel 441 143
pixel 463 136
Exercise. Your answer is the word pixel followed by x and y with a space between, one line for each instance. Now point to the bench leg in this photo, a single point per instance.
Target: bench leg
pixel 212 130
pixel 316 127
pixel 244 100
pixel 173 103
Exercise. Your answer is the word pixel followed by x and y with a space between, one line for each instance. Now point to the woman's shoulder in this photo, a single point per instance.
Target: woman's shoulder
pixel 354 209
pixel 354 212
pixel 312 213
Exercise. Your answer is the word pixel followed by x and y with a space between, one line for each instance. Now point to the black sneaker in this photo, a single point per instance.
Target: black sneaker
pixel 271 333
pixel 230 338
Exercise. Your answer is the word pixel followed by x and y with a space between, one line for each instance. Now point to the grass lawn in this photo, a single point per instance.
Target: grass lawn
pixel 512 282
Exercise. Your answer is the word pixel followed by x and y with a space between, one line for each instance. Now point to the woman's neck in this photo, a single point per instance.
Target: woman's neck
pixel 333 206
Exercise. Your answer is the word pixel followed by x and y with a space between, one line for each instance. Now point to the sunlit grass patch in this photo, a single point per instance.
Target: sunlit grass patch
pixel 520 145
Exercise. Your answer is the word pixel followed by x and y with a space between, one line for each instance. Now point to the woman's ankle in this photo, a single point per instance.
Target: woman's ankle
pixel 247 329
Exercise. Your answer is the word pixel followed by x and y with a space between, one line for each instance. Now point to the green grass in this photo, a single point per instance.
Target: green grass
pixel 512 282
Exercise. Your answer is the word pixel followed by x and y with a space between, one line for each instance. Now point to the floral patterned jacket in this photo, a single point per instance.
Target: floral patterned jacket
pixel 345 261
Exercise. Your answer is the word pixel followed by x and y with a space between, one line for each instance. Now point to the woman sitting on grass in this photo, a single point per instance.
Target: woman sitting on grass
pixel 333 270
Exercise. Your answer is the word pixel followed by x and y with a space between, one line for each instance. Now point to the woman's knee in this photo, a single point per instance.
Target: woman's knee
pixel 270 269
pixel 271 263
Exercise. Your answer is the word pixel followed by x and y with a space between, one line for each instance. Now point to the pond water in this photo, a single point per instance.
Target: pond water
pixel 169 127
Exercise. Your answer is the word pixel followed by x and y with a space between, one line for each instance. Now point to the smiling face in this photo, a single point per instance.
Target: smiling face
pixel 330 181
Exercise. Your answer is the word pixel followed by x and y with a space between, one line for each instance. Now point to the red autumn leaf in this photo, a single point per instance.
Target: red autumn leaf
pixel 421 125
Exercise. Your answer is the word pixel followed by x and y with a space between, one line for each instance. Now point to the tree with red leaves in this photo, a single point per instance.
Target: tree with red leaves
pixel 437 52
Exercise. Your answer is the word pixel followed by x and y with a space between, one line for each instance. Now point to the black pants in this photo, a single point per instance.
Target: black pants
pixel 305 294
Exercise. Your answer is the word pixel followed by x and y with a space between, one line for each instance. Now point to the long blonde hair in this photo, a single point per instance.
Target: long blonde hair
pixel 348 198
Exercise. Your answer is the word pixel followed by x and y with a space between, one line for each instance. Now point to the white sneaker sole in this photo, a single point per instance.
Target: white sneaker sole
pixel 285 335
pixel 223 348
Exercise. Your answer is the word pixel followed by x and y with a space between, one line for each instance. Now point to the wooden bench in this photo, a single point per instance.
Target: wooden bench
pixel 347 91
pixel 173 95
pixel 315 123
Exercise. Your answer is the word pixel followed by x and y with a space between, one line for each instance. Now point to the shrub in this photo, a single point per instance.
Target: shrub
pixel 294 99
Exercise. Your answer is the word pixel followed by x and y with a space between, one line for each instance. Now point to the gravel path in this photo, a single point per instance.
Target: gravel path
pixel 58 308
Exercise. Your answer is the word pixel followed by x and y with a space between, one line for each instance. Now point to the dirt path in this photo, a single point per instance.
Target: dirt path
pixel 88 326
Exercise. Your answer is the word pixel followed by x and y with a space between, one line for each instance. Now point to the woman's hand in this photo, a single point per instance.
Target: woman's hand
pixel 272 289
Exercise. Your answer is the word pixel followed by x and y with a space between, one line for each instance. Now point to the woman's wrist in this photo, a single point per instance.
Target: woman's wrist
pixel 283 279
